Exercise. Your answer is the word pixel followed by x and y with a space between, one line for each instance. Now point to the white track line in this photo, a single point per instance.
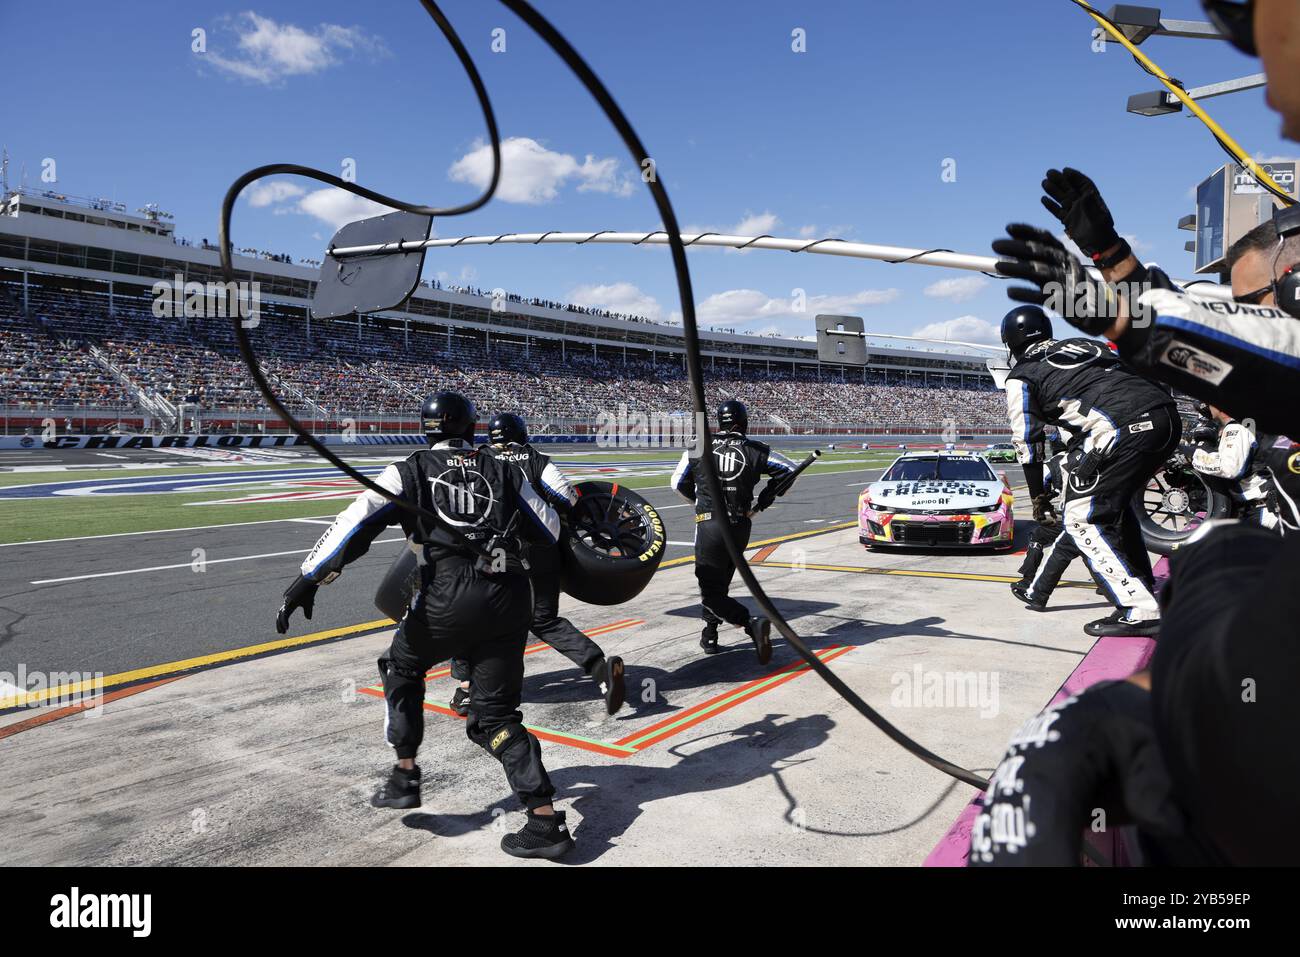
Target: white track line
pixel 158 531
pixel 272 521
pixel 189 564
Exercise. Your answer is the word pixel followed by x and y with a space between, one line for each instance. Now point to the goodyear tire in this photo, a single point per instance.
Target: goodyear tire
pixel 399 584
pixel 1175 501
pixel 612 546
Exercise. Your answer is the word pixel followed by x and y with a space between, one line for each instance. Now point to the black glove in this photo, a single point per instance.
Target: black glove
pixel 1064 286
pixel 1085 471
pixel 1044 513
pixel 564 511
pixel 301 594
pixel 1074 200
pixel 766 497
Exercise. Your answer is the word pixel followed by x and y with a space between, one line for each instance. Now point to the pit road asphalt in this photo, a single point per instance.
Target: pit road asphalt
pixel 149 606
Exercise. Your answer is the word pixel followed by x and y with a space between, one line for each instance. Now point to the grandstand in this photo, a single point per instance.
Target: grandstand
pixel 80 342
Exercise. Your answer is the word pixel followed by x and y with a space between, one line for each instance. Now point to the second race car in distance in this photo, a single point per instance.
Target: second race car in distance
pixel 1000 452
pixel 943 498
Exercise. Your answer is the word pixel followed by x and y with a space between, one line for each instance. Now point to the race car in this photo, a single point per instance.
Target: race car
pixel 1000 452
pixel 937 498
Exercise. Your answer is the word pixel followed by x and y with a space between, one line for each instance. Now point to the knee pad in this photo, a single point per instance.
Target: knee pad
pixel 504 737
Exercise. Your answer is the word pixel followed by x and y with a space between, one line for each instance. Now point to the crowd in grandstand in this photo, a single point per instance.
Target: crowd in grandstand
pixel 68 349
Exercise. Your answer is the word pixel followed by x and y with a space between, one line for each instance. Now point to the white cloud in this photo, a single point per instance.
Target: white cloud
pixel 336 206
pixel 755 224
pixel 530 173
pixel 1137 245
pixel 269 51
pixel 956 288
pixel 330 205
pixel 737 306
pixel 962 329
pixel 276 191
pixel 751 224
pixel 617 297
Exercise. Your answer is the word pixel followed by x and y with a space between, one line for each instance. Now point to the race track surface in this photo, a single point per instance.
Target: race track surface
pixel 215 741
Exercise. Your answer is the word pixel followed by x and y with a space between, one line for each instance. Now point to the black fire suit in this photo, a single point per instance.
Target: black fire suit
pixel 1204 764
pixel 741 462
pixel 544 563
pixel 1280 457
pixel 1223 690
pixel 1090 762
pixel 1242 359
pixel 1050 549
pixel 1123 428
pixel 465 606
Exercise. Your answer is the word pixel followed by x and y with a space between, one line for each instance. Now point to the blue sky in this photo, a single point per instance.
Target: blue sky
pixel 848 138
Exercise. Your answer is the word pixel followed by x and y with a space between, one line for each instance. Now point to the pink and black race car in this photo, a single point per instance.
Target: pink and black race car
pixel 943 498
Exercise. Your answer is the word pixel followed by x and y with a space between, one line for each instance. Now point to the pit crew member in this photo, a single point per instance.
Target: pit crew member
pixel 508 442
pixel 741 463
pixel 473 602
pixel 1123 429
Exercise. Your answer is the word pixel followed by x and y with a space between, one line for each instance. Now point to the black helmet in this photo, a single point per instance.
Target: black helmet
pixel 733 417
pixel 1023 326
pixel 507 427
pixel 448 415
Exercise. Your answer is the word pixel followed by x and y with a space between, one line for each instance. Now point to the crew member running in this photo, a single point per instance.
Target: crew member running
pixel 740 463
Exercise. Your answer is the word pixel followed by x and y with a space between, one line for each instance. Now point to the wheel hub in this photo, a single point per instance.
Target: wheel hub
pixel 1176 501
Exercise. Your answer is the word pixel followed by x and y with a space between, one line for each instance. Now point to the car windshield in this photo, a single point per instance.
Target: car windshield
pixel 939 467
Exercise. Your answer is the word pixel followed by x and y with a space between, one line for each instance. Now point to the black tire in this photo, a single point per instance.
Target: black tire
pixel 1174 502
pixel 610 549
pixel 612 545
pixel 393 596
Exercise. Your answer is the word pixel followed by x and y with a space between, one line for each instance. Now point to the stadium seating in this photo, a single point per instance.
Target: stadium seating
pixel 372 369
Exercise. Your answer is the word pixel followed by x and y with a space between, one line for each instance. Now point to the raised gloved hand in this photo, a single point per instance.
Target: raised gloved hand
pixel 301 594
pixel 1061 283
pixel 1074 199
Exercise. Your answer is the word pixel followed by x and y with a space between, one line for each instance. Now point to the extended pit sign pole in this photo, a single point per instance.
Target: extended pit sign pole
pixel 360 275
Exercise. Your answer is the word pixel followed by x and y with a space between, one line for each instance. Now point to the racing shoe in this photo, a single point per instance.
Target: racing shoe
pixel 543 835
pixel 759 630
pixel 608 675
pixel 1118 625
pixel 1022 593
pixel 709 639
pixel 401 790
pixel 460 701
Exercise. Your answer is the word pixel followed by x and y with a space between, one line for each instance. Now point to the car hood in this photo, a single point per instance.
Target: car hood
pixel 931 494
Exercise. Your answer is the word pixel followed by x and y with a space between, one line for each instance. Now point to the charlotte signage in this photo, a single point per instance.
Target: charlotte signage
pixel 253 441
pixel 153 441
pixel 1283 174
